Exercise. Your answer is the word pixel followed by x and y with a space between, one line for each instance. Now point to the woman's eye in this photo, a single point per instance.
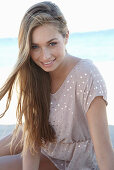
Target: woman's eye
pixel 35 47
pixel 53 43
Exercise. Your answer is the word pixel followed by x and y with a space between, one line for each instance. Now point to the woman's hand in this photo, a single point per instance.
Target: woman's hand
pixel 98 126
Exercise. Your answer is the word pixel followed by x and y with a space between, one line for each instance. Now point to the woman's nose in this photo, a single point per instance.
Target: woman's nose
pixel 45 53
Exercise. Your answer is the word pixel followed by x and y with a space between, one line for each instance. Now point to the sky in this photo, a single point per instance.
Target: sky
pixel 81 15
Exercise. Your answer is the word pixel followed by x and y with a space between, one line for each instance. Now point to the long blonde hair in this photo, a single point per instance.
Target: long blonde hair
pixel 34 84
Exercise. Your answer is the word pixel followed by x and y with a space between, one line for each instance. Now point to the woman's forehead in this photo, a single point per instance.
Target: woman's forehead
pixel 45 33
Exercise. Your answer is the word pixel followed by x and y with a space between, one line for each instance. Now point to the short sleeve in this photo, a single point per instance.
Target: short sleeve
pixel 95 87
pixel 90 85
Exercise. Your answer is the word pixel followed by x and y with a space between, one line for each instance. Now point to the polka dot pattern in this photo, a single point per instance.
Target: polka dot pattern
pixel 68 109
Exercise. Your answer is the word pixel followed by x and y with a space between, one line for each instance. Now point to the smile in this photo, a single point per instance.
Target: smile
pixel 47 64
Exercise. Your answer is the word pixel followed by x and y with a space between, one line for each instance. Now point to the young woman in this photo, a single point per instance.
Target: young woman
pixel 62 99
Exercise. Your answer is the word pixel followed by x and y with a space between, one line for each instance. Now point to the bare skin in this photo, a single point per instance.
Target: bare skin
pixel 10 162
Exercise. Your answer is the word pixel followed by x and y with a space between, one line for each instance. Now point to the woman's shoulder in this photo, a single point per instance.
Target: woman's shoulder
pixel 84 66
pixel 85 69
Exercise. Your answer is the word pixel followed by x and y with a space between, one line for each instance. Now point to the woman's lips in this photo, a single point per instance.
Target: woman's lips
pixel 49 63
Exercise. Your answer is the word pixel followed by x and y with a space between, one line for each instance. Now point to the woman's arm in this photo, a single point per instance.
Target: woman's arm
pixel 31 162
pixel 98 126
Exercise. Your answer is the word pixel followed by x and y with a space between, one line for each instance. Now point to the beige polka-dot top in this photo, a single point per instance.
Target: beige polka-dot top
pixel 73 149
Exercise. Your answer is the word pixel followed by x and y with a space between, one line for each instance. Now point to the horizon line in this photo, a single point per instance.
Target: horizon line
pixel 77 32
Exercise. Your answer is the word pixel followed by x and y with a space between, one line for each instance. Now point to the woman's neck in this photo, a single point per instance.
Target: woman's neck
pixel 62 69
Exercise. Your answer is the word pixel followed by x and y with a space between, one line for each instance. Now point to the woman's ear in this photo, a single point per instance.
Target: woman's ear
pixel 66 37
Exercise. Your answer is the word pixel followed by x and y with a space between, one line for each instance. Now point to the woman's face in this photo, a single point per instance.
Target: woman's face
pixel 48 47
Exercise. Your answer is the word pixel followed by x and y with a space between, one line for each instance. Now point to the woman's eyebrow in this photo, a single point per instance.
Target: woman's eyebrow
pixel 52 40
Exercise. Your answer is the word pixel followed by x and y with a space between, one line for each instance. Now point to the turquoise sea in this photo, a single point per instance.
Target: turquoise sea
pixel 97 46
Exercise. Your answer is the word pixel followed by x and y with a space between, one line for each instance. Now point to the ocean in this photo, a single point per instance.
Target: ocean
pixel 97 46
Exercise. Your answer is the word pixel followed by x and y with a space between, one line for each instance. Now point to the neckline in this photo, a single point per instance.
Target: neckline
pixel 74 67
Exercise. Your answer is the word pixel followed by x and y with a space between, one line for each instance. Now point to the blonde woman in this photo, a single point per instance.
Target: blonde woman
pixel 62 99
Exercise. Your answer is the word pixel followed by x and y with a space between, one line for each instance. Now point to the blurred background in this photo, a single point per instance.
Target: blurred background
pixel 91 30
